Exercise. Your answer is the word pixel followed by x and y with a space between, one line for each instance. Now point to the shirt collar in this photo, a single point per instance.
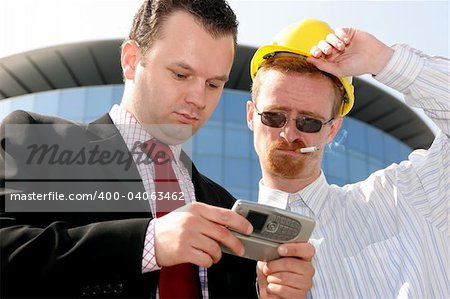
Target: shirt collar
pixel 132 131
pixel 314 195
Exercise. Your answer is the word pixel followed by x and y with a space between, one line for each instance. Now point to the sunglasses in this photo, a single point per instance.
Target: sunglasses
pixel 305 124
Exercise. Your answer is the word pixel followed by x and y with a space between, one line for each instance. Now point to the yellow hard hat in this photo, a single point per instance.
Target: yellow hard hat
pixel 298 39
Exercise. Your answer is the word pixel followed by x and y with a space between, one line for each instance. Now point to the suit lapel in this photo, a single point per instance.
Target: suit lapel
pixel 119 167
pixel 104 138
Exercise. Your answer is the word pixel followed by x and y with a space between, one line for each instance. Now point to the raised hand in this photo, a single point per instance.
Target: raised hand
pixel 350 52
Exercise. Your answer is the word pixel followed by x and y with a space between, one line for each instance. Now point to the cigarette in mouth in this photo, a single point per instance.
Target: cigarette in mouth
pixel 310 149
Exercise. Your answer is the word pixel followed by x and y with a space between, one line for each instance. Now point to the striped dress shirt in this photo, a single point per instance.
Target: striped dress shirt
pixel 389 235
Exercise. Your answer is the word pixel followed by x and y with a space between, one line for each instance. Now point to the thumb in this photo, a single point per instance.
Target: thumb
pixel 305 251
pixel 323 65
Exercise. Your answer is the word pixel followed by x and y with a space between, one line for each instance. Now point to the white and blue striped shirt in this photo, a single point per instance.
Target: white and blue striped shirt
pixel 387 236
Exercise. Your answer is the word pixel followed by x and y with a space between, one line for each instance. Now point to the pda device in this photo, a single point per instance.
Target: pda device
pixel 271 228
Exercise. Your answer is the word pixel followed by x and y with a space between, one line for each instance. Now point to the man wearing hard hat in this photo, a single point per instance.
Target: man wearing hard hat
pixel 387 236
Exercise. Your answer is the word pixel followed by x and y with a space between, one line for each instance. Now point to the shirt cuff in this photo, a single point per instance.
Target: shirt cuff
pixel 148 256
pixel 402 69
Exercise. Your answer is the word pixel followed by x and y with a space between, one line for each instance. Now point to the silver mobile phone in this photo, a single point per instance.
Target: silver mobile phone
pixel 271 228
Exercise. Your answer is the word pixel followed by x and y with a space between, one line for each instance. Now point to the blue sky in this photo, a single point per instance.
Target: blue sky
pixel 31 24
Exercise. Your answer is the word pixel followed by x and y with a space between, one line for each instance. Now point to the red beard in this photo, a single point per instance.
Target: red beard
pixel 284 165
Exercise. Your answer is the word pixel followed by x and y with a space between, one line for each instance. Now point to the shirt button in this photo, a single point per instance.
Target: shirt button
pixel 118 288
pixel 107 289
pixel 86 291
pixel 96 290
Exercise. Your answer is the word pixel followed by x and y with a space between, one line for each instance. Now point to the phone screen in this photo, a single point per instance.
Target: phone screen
pixel 257 220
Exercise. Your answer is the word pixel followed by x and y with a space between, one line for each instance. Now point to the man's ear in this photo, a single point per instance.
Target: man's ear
pixel 335 126
pixel 129 59
pixel 250 110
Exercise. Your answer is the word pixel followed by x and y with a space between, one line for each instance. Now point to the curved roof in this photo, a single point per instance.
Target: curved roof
pixel 98 62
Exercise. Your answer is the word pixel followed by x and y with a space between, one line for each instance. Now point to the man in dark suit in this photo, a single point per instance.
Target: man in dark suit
pixel 175 63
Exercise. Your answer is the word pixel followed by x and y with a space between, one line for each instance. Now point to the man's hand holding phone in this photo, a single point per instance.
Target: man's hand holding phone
pixel 194 234
pixel 279 244
pixel 289 276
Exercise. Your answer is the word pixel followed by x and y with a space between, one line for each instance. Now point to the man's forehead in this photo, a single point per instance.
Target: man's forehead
pixel 288 96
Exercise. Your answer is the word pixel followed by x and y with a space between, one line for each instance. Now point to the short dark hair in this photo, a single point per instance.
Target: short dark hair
pixel 216 16
pixel 294 65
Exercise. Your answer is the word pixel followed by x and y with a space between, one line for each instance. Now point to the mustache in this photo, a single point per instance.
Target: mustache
pixel 290 146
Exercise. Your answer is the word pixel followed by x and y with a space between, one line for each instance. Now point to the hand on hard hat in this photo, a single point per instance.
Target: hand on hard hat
pixel 339 39
pixel 362 54
pixel 297 39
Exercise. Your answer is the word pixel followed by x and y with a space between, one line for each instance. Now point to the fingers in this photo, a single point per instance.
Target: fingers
pixel 200 258
pixel 194 234
pixel 285 278
pixel 281 291
pixel 304 251
pixel 221 234
pixel 209 222
pixel 262 283
pixel 223 216
pixel 262 280
pixel 316 52
pixel 345 34
pixel 179 239
pixel 218 220
pixel 291 275
pixel 293 265
pixel 327 47
pixel 334 42
pixel 209 247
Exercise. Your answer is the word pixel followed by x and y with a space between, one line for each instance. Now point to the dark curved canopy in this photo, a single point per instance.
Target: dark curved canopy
pixel 97 63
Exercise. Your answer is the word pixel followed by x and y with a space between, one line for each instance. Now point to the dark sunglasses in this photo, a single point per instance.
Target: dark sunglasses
pixel 303 123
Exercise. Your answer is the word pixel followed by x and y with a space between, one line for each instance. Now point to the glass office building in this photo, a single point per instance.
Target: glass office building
pixel 223 148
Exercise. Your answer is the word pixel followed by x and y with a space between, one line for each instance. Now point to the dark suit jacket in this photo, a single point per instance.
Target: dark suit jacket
pixel 90 254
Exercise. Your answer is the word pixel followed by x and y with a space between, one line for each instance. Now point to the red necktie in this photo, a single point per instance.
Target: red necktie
pixel 179 281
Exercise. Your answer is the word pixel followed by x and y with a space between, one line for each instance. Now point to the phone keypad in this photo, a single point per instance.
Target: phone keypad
pixel 280 228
